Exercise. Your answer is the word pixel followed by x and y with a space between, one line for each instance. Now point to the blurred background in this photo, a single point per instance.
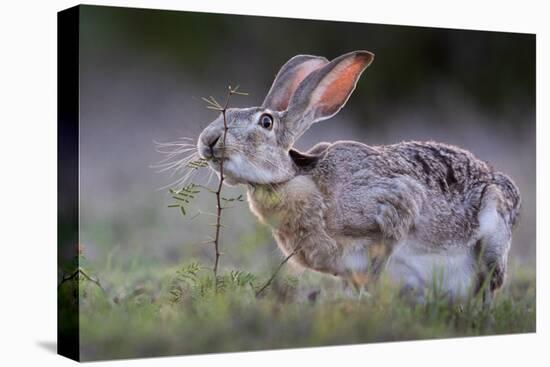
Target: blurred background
pixel 143 73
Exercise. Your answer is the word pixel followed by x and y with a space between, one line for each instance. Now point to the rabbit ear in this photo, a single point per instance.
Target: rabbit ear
pixel 325 91
pixel 289 78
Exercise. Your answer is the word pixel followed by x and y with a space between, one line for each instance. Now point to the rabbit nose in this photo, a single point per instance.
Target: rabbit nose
pixel 206 146
pixel 213 142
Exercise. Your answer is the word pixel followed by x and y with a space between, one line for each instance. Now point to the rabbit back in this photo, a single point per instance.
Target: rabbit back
pixel 432 189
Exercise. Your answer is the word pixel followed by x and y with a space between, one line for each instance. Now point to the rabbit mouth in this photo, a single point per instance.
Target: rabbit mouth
pixel 215 163
pixel 218 160
pixel 230 170
pixel 213 157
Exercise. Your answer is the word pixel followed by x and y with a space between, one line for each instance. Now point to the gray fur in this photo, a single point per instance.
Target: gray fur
pixel 353 210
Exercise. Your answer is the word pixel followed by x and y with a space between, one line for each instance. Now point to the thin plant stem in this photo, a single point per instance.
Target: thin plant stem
pixel 218 192
pixel 276 272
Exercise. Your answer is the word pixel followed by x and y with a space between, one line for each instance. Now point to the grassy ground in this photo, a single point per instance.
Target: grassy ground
pixel 161 310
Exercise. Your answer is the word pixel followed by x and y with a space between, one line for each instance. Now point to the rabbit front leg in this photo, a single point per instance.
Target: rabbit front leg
pixel 297 217
pixel 310 248
pixel 379 254
pixel 360 266
pixel 320 252
pixel 363 261
pixel 359 262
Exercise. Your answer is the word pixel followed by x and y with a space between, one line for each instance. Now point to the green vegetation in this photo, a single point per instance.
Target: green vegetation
pixel 131 306
pixel 175 310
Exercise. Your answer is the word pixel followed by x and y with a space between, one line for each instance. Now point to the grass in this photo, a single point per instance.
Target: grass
pixel 154 310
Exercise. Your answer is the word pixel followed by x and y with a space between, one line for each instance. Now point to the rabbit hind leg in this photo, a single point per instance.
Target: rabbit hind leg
pixel 493 245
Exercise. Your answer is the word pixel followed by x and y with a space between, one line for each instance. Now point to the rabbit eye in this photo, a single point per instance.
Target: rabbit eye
pixel 266 121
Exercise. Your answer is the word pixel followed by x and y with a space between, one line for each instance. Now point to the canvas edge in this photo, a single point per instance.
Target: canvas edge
pixel 68 20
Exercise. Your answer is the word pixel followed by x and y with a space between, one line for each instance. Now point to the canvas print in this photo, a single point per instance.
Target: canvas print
pixel 235 183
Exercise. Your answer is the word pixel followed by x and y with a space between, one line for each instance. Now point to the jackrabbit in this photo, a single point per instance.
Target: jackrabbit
pixel 419 210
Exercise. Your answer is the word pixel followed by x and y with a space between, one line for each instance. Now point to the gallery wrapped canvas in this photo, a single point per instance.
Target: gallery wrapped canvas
pixel 235 183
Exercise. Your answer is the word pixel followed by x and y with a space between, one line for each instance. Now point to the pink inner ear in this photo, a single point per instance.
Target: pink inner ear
pixel 299 76
pixel 339 86
pixel 303 71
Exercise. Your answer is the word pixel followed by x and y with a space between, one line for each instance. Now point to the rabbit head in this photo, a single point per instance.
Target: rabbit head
pixel 258 140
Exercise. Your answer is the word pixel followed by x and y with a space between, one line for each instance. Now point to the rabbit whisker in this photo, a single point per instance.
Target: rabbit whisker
pixel 180 163
pixel 169 158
